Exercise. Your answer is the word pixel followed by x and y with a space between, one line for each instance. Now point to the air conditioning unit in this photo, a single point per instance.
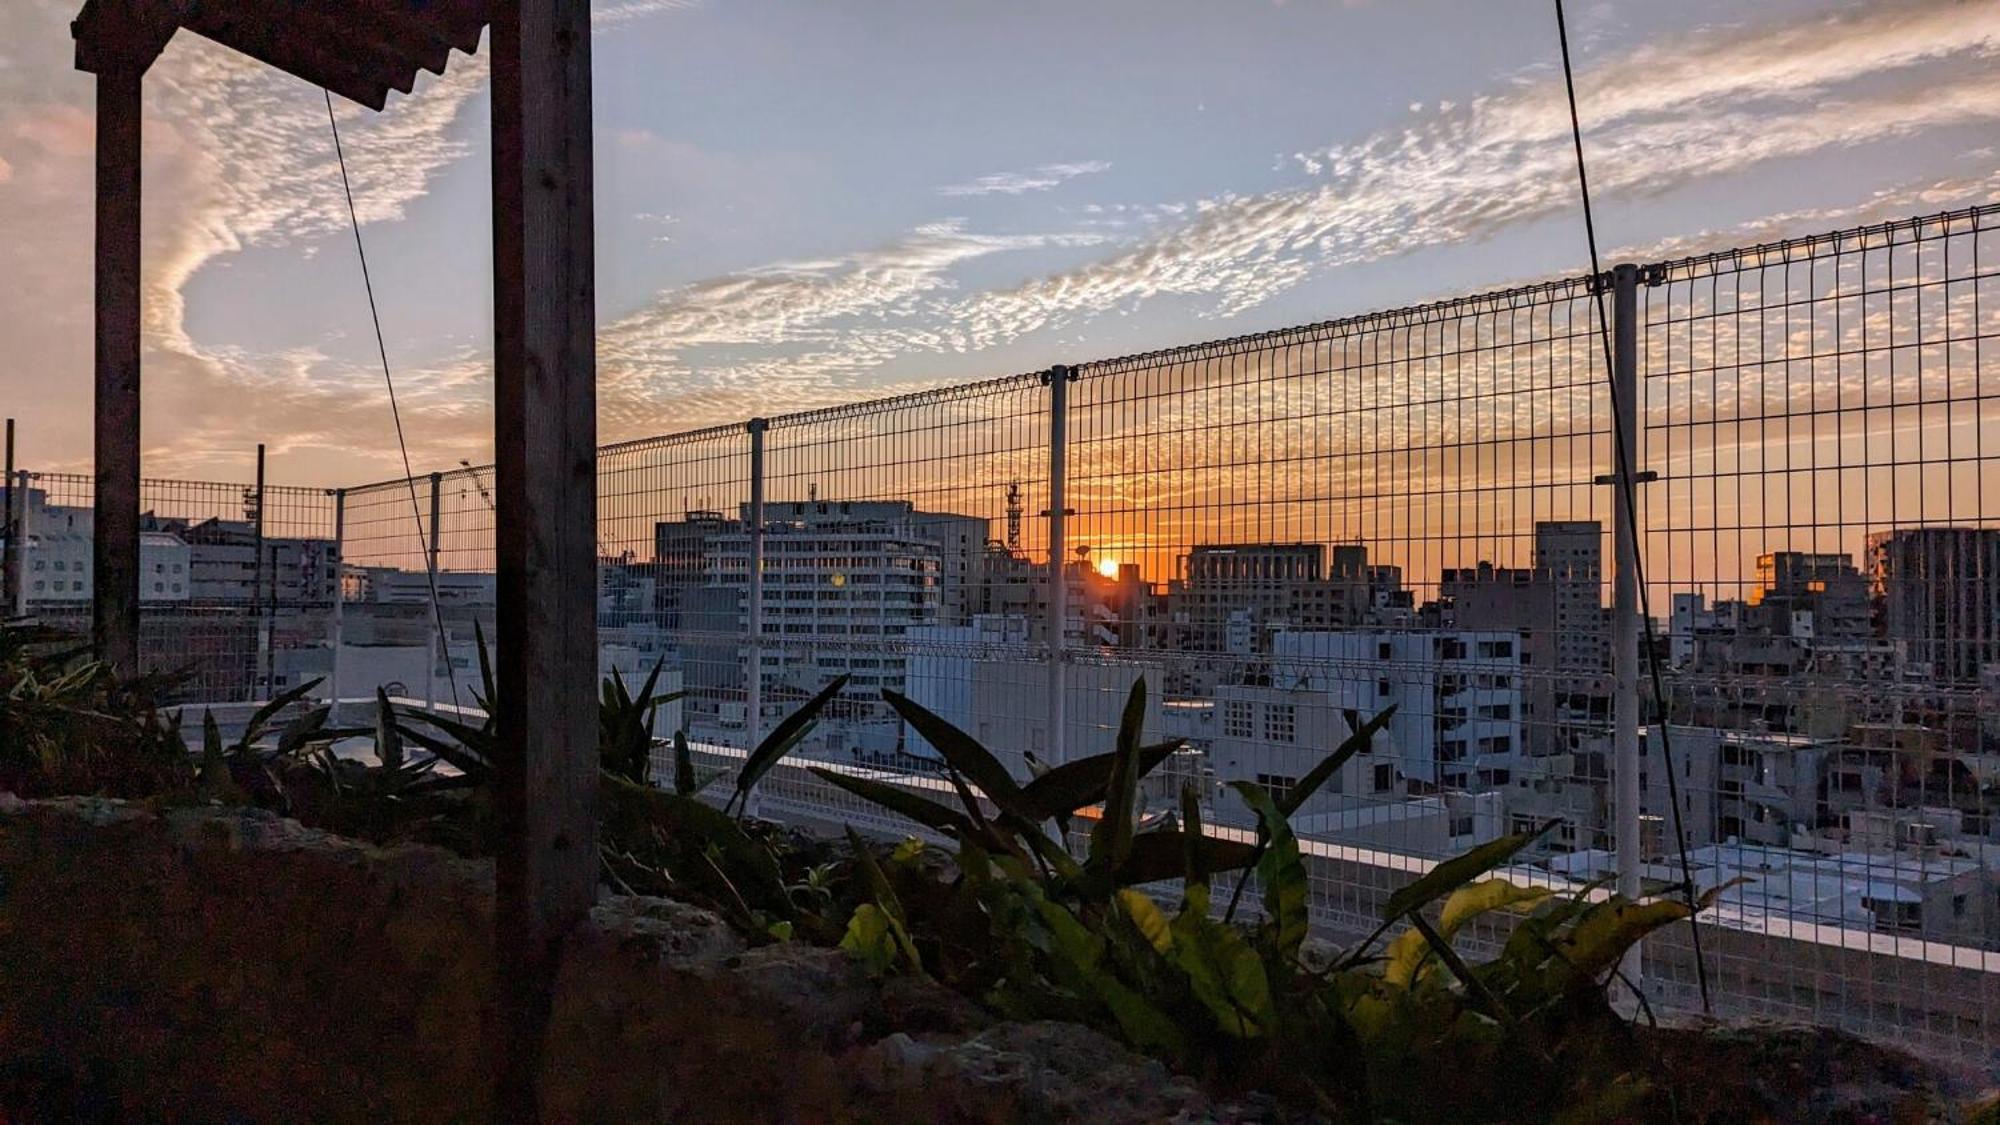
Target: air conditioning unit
pixel 1919 834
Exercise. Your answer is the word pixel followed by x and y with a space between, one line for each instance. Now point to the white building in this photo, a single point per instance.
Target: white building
pixel 1914 892
pixel 985 679
pixel 1457 695
pixel 1275 735
pixel 56 559
pixel 844 581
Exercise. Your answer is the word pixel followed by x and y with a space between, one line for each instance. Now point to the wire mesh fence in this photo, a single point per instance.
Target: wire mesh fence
pixel 237 582
pixel 1284 534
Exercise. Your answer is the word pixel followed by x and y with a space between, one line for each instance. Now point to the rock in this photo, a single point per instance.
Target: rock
pixel 681 936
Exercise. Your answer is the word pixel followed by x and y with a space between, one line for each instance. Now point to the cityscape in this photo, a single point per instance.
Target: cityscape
pixel 1836 729
pixel 678 560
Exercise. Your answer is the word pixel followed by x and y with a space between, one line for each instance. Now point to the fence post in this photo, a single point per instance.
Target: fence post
pixel 753 682
pixel 261 573
pixel 1059 379
pixel 434 634
pixel 10 563
pixel 1625 585
pixel 21 530
pixel 335 623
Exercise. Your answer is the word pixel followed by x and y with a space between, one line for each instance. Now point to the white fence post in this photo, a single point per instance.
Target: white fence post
pixel 1625 587
pixel 1059 378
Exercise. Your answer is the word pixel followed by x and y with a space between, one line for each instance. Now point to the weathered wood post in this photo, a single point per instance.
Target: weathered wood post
pixel 545 437
pixel 115 539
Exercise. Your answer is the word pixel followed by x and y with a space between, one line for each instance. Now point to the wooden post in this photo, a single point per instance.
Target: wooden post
pixel 115 540
pixel 10 562
pixel 545 438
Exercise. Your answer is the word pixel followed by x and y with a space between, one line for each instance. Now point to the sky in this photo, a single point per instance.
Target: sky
pixel 802 203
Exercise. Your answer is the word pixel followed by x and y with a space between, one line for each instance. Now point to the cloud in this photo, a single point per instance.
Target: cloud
pixel 792 332
pixel 237 155
pixel 1711 104
pixel 1019 183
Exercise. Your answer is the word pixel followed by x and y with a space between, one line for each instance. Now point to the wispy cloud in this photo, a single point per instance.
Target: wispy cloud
pixel 793 332
pixel 1711 104
pixel 1020 183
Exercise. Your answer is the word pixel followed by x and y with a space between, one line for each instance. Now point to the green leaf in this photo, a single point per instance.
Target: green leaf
pixel 683 765
pixel 868 938
pixel 885 897
pixel 1111 839
pixel 1148 918
pixel 781 739
pixel 1404 957
pixel 1194 853
pixel 1475 987
pixel 1470 901
pixel 1078 784
pixel 489 693
pixel 1457 871
pixel 271 707
pixel 1607 929
pixel 1280 871
pixel 303 730
pixel 1226 974
pixel 901 801
pixel 1363 737
pixel 966 755
pixel 470 763
pixel 1164 853
pixel 212 764
pixel 634 812
pixel 388 739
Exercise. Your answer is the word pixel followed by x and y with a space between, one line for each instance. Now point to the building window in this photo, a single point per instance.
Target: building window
pixel 1496 650
pixel 1385 777
pixel 1281 722
pixel 1461 826
pixel 1277 784
pixel 1236 719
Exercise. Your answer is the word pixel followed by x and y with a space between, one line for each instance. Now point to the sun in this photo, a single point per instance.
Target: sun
pixel 1107 566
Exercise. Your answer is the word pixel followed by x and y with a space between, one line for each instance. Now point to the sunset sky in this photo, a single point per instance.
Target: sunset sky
pixel 808 203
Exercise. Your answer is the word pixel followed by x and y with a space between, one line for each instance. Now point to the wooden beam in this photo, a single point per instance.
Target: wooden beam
pixel 123 34
pixel 450 23
pixel 115 538
pixel 545 439
pixel 276 40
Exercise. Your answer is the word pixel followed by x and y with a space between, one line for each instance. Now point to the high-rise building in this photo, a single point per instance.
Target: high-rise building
pixel 843 582
pixel 1556 609
pixel 681 560
pixel 1818 598
pixel 1229 592
pixel 1939 596
pixel 1571 554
